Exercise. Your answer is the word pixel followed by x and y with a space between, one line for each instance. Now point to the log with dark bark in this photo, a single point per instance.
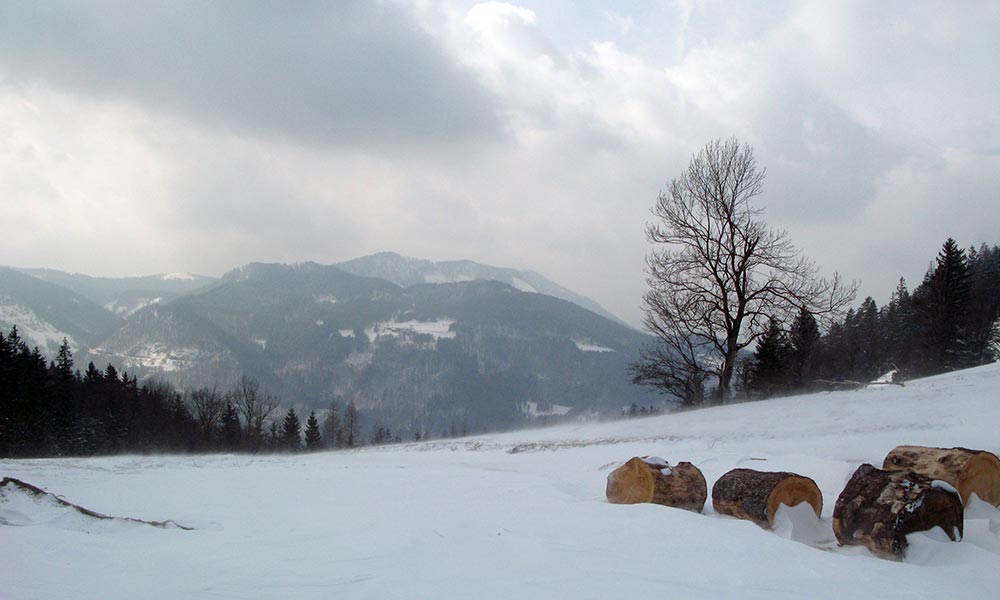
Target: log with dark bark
pixel 968 471
pixel 651 479
pixel 9 485
pixel 877 509
pixel 756 495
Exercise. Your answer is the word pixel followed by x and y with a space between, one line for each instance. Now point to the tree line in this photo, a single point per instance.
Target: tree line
pixel 49 408
pixel 950 321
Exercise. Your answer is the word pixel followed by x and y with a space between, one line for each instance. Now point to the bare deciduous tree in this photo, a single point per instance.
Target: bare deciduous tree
pixel 717 274
pixel 254 407
pixel 207 405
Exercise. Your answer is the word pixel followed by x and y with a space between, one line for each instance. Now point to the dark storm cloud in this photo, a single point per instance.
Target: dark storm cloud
pixel 332 73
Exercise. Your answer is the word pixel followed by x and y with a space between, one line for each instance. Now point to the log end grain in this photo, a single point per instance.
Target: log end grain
pixel 631 483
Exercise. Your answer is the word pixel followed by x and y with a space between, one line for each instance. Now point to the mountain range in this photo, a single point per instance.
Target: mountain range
pixel 416 345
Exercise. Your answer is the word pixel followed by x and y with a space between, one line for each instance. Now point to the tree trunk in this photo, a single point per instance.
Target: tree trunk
pixel 877 509
pixel 968 471
pixel 756 495
pixel 652 479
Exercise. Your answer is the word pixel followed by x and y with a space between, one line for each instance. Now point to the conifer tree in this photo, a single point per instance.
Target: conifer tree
pixel 274 438
pixel 291 431
pixel 314 438
pixel 768 373
pixel 331 426
pixel 942 304
pixel 899 327
pixel 231 431
pixel 803 338
pixel 352 428
pixel 983 317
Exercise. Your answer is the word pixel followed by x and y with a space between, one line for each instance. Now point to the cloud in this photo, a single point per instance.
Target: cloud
pixel 344 73
pixel 196 137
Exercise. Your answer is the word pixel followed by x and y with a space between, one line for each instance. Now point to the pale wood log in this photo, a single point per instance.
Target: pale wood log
pixel 878 508
pixel 968 471
pixel 654 480
pixel 756 495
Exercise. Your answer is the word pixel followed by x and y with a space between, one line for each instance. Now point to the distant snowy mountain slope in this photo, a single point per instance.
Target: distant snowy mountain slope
pixel 124 296
pixel 477 354
pixel 45 313
pixel 406 271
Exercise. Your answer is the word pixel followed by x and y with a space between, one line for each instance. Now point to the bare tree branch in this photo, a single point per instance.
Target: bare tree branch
pixel 717 273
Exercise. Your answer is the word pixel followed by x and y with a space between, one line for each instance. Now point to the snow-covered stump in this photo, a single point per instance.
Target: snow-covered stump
pixel 877 509
pixel 756 495
pixel 652 479
pixel 968 471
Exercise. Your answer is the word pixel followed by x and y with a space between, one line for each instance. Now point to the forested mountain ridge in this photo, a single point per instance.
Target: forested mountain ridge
pixel 406 271
pixel 480 354
pixel 125 295
pixel 45 313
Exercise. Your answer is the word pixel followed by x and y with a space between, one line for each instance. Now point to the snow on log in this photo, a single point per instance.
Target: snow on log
pixel 10 487
pixel 652 479
pixel 877 509
pixel 756 495
pixel 968 471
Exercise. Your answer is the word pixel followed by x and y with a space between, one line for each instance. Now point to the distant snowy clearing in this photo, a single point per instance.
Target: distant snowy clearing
pixel 516 515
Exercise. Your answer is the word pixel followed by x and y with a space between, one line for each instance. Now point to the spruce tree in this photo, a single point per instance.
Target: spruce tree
pixel 231 431
pixel 803 338
pixel 275 439
pixel 982 323
pixel 352 427
pixel 900 328
pixel 291 431
pixel 314 439
pixel 942 302
pixel 331 427
pixel 768 372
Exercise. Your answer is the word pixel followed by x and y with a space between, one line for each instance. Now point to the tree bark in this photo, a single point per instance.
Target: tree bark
pixel 651 479
pixel 968 471
pixel 877 509
pixel 756 495
pixel 9 485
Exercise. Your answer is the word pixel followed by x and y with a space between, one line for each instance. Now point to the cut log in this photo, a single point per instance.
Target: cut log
pixel 652 479
pixel 968 471
pixel 10 486
pixel 877 509
pixel 756 495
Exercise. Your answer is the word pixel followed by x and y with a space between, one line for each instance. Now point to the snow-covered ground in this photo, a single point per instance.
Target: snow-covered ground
pixel 517 515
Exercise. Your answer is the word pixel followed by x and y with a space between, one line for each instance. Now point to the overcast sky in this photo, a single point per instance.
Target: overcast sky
pixel 146 137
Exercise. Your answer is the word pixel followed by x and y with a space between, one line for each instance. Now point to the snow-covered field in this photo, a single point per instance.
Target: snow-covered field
pixel 519 515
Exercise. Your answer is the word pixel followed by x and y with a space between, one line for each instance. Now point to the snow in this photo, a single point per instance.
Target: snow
pixel 178 277
pixel 944 485
pixel 346 332
pixel 531 409
pixel 439 277
pixel 127 310
pixel 34 330
pixel 523 285
pixel 514 515
pixel 438 329
pixel 359 360
pixel 589 346
pixel 156 356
